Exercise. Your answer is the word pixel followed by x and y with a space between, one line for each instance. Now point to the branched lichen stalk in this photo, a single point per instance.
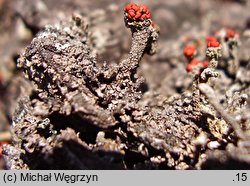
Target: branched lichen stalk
pixel 138 19
pixel 139 42
pixel 213 53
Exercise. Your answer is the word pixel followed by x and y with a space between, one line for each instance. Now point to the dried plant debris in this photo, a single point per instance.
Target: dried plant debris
pixel 101 115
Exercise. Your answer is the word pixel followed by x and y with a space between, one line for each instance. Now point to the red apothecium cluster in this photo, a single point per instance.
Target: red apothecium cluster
pixel 212 41
pixel 190 51
pixel 231 33
pixel 136 12
pixel 194 62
